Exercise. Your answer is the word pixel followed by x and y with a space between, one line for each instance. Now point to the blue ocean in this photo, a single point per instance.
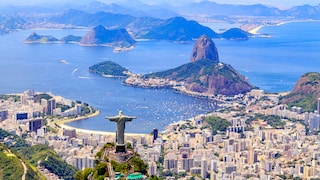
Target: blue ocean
pixel 272 64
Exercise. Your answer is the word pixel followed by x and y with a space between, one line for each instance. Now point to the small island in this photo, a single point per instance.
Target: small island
pixel 119 39
pixel 109 69
pixel 35 38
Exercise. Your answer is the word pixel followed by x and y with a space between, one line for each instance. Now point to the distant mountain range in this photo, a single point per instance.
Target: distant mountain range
pixel 138 18
pixel 176 29
pixel 164 11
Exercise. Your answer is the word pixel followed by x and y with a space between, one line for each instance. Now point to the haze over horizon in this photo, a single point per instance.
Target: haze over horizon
pixel 274 3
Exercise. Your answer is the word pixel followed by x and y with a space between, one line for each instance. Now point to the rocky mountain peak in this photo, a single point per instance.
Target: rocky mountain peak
pixel 204 48
pixel 99 35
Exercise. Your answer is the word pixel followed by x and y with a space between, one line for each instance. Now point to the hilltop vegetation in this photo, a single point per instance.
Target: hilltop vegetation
pixel 206 76
pixel 10 166
pixel 217 124
pixel 32 155
pixel 305 93
pixel 49 159
pixel 100 171
pixel 108 68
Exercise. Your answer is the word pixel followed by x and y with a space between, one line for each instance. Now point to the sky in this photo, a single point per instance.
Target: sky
pixel 275 3
pixel 282 4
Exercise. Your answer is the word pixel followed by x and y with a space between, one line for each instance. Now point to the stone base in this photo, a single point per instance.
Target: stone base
pixel 121 148
pixel 121 156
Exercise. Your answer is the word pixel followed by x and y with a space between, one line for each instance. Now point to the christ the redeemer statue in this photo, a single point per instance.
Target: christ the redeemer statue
pixel 121 125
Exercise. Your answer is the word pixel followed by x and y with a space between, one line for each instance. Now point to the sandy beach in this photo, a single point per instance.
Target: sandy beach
pixel 256 29
pixel 78 130
pixel 61 123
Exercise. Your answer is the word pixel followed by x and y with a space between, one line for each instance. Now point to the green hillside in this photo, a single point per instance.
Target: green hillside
pixel 207 76
pixel 11 167
pixel 305 93
pixel 31 155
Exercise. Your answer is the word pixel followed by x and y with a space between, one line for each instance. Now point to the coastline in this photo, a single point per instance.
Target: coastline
pixel 60 122
pixel 86 131
pixel 255 29
pixel 62 125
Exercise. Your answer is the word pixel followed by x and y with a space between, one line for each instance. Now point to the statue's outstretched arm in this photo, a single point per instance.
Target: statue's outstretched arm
pixel 128 118
pixel 115 119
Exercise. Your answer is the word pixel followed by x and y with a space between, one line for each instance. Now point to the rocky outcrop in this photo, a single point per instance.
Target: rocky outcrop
pixel 305 93
pixel 104 37
pixel 204 48
pixel 205 74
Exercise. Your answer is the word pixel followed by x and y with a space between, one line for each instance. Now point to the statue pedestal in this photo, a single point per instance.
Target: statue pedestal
pixel 121 154
pixel 121 148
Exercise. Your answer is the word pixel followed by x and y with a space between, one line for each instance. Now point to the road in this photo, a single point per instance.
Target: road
pixel 24 170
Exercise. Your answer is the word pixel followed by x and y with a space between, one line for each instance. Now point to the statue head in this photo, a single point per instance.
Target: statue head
pixel 120 113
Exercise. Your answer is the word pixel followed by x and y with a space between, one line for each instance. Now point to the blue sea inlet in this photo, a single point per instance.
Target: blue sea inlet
pixel 273 64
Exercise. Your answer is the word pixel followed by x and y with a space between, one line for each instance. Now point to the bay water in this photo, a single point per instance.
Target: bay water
pixel 272 64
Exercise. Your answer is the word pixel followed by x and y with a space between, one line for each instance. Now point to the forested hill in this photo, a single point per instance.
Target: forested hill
pixel 306 92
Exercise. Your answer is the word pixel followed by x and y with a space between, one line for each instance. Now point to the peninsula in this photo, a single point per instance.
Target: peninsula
pixel 205 75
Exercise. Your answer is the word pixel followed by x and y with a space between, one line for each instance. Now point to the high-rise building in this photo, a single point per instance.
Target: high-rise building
pixel 42 131
pixel 35 124
pixel 252 156
pixel 78 108
pixel 214 165
pixel 152 168
pixel 3 115
pixel 204 168
pixel 195 170
pixel 318 106
pixel 170 163
pixel 155 134
pixel 82 162
pixel 314 123
pixel 187 163
pixel 70 133
pixel 51 106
